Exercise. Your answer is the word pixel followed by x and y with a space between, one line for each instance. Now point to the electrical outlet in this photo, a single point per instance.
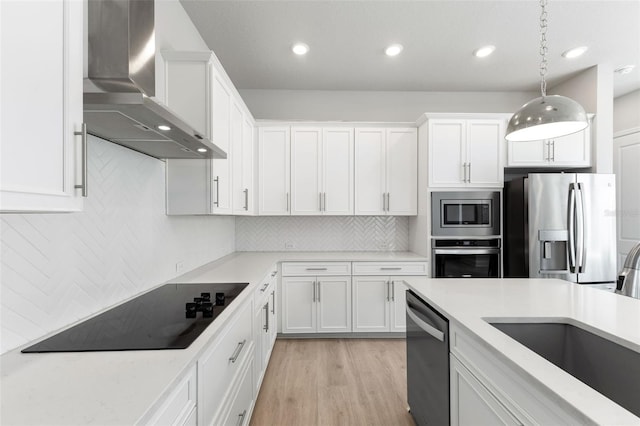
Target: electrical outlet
pixel 289 245
pixel 383 246
pixel 179 266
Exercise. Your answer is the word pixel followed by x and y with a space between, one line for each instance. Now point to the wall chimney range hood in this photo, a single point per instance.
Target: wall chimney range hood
pixel 118 93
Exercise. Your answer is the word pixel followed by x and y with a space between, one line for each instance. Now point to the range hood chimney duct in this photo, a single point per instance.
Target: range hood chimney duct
pixel 118 94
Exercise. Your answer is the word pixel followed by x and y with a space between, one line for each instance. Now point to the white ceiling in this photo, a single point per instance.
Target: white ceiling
pixel 253 41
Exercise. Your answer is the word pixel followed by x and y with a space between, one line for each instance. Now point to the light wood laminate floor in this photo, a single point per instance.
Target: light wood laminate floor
pixel 334 382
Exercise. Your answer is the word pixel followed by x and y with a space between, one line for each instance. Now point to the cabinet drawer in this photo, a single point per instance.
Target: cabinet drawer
pixel 389 268
pixel 241 402
pixel 180 406
pixel 218 366
pixel 315 269
pixel 264 287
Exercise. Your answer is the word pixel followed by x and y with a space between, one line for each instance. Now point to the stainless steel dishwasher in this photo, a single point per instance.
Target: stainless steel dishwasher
pixel 427 363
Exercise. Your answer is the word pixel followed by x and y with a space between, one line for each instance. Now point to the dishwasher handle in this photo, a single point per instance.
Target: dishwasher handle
pixel 424 326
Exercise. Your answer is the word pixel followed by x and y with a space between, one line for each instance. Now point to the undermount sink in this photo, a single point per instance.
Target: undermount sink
pixel 606 366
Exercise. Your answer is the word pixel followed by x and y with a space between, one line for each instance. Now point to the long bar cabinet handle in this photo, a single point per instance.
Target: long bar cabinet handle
pixel 85 167
pixel 236 353
pixel 217 201
pixel 241 417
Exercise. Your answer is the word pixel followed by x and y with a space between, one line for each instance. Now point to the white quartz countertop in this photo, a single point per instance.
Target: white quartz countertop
pixel 468 302
pixel 119 388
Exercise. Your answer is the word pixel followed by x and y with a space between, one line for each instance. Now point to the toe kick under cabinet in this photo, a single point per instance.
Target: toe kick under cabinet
pixel 345 297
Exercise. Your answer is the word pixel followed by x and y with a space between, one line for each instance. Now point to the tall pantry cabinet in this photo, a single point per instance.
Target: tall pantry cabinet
pixel 43 167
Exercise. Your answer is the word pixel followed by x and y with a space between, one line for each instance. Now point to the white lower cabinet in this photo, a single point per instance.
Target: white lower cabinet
pixel 471 403
pixel 379 300
pixel 378 304
pixel 487 390
pixel 179 408
pixel 264 324
pixel 219 369
pixel 316 304
pixel 241 401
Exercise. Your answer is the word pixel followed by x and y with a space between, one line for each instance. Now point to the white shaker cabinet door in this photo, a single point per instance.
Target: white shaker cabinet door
pixel 221 134
pixel 239 198
pixel 527 153
pixel 370 179
pixel 371 297
pixel 337 171
pixel 485 141
pixel 274 178
pixel 572 150
pixel 299 305
pixel 306 193
pixel 41 111
pixel 334 304
pixel 446 153
pixel 398 305
pixel 472 404
pixel 248 164
pixel 402 171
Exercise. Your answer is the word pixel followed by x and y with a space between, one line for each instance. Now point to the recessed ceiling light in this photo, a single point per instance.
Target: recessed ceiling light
pixel 202 149
pixel 393 50
pixel 624 70
pixel 300 48
pixel 164 127
pixel 575 52
pixel 484 51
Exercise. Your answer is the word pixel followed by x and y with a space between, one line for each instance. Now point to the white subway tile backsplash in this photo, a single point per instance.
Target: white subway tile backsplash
pixel 322 233
pixel 59 268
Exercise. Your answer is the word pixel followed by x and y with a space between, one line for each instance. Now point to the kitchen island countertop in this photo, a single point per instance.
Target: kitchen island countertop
pixel 467 303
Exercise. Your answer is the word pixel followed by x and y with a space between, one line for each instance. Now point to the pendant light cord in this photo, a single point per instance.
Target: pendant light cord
pixel 543 46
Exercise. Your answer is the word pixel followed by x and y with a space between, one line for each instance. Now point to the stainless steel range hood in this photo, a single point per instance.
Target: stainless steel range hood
pixel 118 94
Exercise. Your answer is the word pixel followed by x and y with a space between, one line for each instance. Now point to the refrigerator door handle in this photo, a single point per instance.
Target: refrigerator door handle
pixel 572 227
pixel 580 262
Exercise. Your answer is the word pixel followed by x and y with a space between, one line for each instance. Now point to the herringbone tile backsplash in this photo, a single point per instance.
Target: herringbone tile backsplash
pixel 311 233
pixel 59 268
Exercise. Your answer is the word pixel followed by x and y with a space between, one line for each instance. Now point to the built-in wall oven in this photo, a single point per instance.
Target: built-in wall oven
pixel 465 234
pixel 456 258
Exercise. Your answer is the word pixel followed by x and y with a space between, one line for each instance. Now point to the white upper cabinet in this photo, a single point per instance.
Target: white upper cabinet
pixel 221 136
pixel 42 161
pixel 466 152
pixel 321 171
pixel 386 171
pixel 402 171
pixel 567 151
pixel 306 192
pixel 370 176
pixel 337 171
pixel 242 141
pixel 187 77
pixel 200 94
pixel 274 145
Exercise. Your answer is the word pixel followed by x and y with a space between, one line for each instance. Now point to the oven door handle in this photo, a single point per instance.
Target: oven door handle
pixel 427 328
pixel 466 251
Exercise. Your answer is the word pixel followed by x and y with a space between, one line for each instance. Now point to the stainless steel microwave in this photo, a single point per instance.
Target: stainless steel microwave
pixel 465 213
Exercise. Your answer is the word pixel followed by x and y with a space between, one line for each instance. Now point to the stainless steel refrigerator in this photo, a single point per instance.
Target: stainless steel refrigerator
pixel 561 225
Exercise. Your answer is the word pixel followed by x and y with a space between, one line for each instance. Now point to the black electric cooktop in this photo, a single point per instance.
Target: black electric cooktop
pixel 159 319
